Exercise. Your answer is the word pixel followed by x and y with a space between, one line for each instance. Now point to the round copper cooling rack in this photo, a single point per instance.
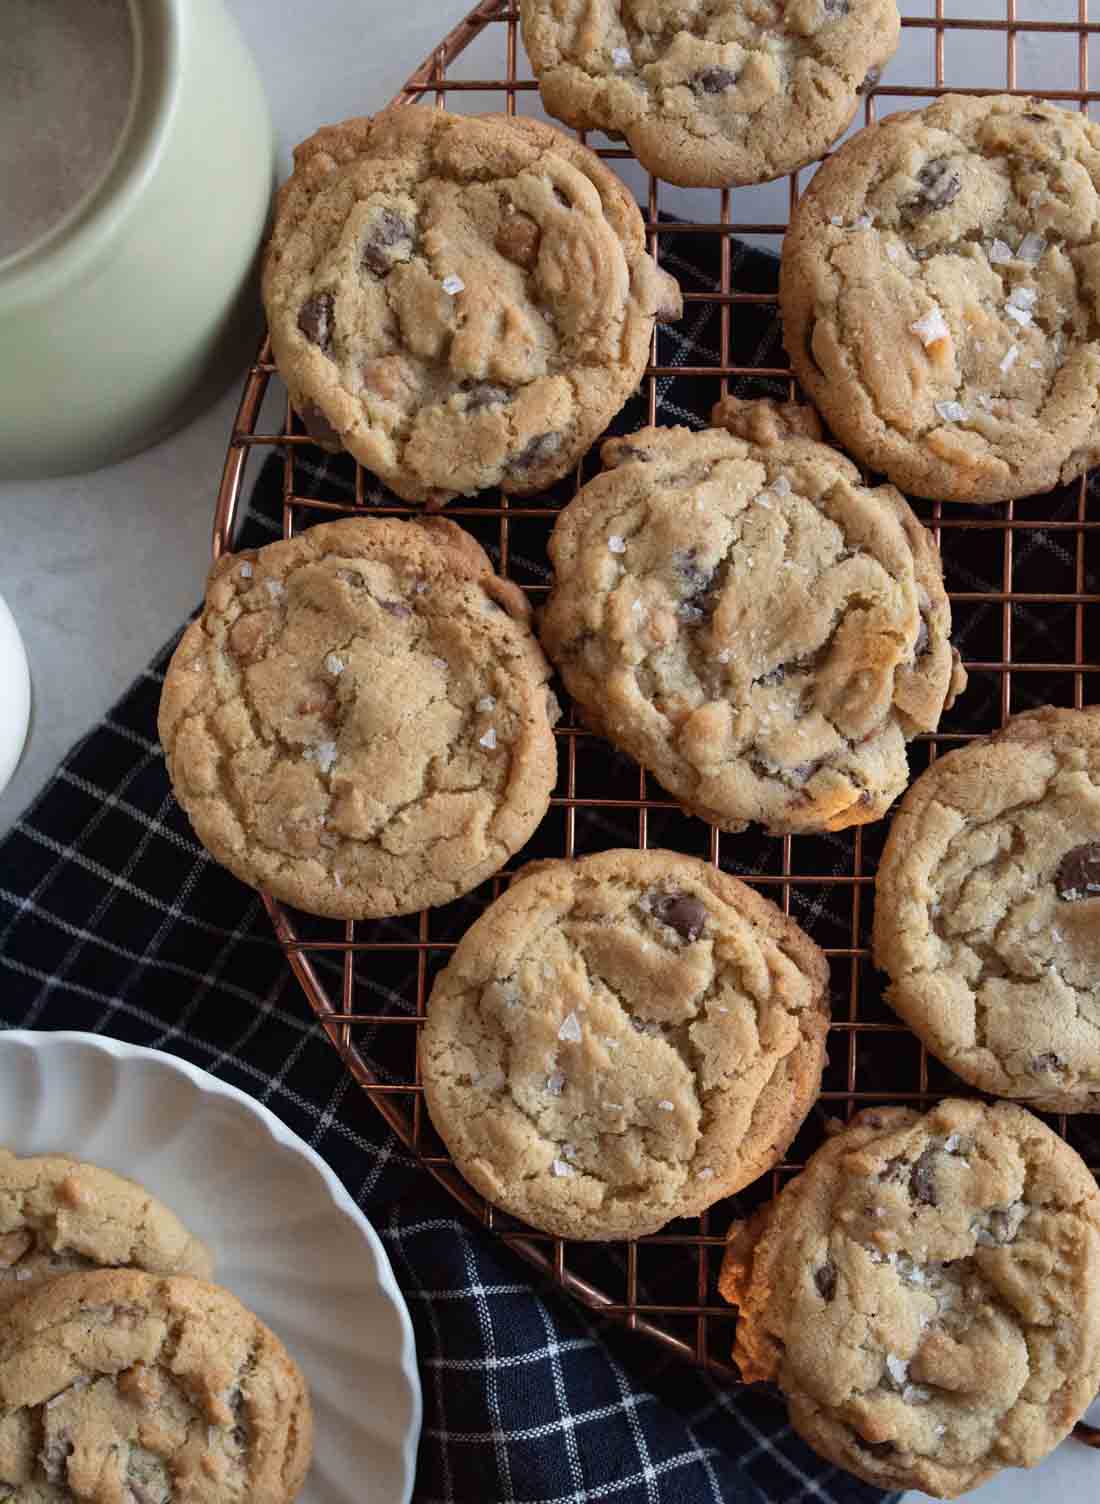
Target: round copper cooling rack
pixel 874 1058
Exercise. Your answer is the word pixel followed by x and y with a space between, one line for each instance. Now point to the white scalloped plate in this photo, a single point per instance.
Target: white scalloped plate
pixel 287 1238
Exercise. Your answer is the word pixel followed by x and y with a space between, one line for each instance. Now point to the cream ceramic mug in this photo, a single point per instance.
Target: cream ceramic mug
pixel 122 316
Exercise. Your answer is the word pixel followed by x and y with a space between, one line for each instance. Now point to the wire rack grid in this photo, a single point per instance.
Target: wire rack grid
pixel 1025 642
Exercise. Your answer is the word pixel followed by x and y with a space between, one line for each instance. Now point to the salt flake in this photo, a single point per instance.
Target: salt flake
pixel 489 740
pixel 453 285
pixel 706 1173
pixel 931 327
pixel 835 219
pixel 323 754
pixel 951 1142
pixel 667 1106
pixel 246 571
pixel 614 1107
pixel 275 589
pixel 1023 297
pixel 570 1029
pixel 440 663
pixel 486 702
pixel 1021 315
pixel 611 1044
pixel 335 665
pixel 1000 253
pixel 952 412
pixel 781 486
pixel 892 252
pixel 617 543
pixel 621 57
pixel 555 1083
pixel 1031 248
pixel 561 1169
pixel 897 1368
pixel 1010 358
pixel 725 655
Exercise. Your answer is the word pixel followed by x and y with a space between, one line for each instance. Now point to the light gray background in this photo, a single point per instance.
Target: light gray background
pixel 100 569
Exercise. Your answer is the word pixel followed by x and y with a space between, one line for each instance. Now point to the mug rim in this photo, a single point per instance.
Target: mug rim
pixel 36 271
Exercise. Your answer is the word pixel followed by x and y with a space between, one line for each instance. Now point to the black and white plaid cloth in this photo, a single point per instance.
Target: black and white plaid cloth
pixel 113 919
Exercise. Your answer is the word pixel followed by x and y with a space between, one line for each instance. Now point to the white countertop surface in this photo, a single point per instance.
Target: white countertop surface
pixel 100 569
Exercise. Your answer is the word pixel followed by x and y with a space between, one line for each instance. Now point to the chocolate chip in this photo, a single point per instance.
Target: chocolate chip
pixel 870 79
pixel 562 198
pixel 318 426
pixel 1048 1062
pixel 940 185
pixel 315 320
pixel 876 1448
pixel 388 230
pixel 1078 874
pixel 682 913
pixel 395 608
pixel 825 1280
pixel 485 394
pixel 696 581
pixel 536 451
pixel 922 1179
pixel 715 80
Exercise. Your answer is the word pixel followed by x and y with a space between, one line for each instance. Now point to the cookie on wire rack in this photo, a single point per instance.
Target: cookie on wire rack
pixel 359 721
pixel 925 1294
pixel 460 302
pixel 623 1039
pixel 987 910
pixel 761 630
pixel 939 293
pixel 733 91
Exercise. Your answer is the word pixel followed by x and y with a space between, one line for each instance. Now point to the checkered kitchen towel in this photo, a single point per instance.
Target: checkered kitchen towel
pixel 113 919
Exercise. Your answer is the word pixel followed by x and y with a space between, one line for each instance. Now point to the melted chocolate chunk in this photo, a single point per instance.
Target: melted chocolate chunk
pixel 825 1280
pixel 920 647
pixel 695 604
pixel 395 608
pixel 562 198
pixel 485 394
pixel 876 1448
pixel 315 320
pixel 318 426
pixel 922 1179
pixel 1048 1062
pixel 387 231
pixel 940 185
pixel 682 913
pixel 1078 874
pixel 716 80
pixel 538 450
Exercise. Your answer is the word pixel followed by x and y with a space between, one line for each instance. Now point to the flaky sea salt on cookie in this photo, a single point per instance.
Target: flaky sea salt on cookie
pixel 120 1386
pixel 939 297
pixel 58 1215
pixel 360 722
pixel 461 302
pixel 927 1295
pixel 622 1040
pixel 760 629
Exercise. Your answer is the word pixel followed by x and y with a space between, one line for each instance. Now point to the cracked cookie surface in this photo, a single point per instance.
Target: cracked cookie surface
pixel 787 702
pixel 117 1385
pixel 461 302
pixel 939 290
pixel 359 722
pixel 711 92
pixel 623 1039
pixel 987 910
pixel 58 1215
pixel 924 1294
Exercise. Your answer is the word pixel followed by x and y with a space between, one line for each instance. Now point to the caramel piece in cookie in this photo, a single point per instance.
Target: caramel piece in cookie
pixel 925 1295
pixel 622 1040
pixel 359 722
pixel 707 94
pixel 58 1215
pixel 460 302
pixel 939 293
pixel 758 628
pixel 120 1386
pixel 987 910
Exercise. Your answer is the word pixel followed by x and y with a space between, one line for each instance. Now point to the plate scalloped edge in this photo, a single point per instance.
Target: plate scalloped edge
pixel 21 1104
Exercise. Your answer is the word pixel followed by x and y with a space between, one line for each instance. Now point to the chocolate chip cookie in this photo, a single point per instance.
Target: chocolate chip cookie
pixel 925 1295
pixel 59 1215
pixel 622 1040
pixel 359 722
pixel 122 1386
pixel 939 293
pixel 987 910
pixel 460 302
pixel 707 94
pixel 762 631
